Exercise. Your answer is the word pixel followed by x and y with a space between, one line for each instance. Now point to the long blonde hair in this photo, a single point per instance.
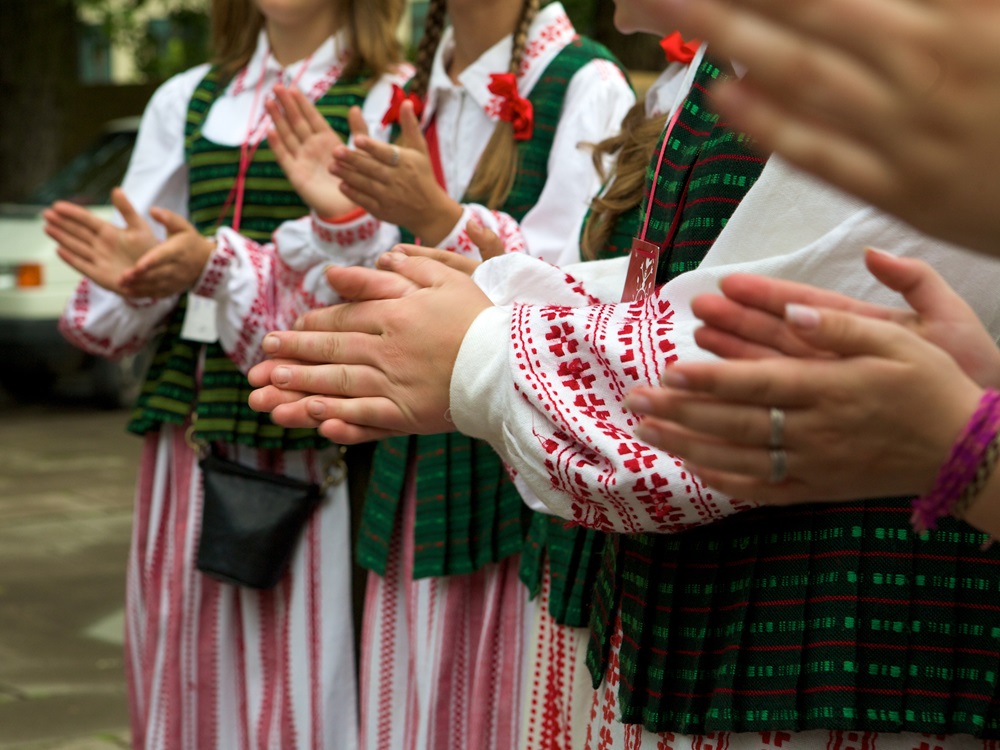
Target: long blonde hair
pixel 371 33
pixel 497 168
pixel 630 150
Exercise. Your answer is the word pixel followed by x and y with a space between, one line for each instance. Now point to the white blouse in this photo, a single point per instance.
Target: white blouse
pixel 596 101
pixel 465 112
pixel 549 400
pixel 106 324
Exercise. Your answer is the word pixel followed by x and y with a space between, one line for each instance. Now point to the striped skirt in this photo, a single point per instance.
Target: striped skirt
pixel 213 666
pixel 441 658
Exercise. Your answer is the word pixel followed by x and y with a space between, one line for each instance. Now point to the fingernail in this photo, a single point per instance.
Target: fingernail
pixel 674 379
pixel 639 403
pixel 316 409
pixel 391 259
pixel 802 316
pixel 270 344
pixel 281 376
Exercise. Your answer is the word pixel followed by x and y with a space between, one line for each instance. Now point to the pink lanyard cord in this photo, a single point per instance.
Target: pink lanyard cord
pixel 257 127
pixel 656 174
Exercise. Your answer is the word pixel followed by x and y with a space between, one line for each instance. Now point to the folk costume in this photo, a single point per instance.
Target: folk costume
pixel 560 562
pixel 822 626
pixel 442 646
pixel 210 664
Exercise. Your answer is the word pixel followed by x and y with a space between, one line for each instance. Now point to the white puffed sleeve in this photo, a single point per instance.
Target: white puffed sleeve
pixel 549 399
pixel 265 287
pixel 102 322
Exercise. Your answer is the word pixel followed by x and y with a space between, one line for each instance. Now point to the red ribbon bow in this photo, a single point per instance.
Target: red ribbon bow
pixel 396 103
pixel 514 108
pixel 677 50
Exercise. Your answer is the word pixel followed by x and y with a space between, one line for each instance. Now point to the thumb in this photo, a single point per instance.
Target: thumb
pixel 922 287
pixel 356 122
pixel 173 223
pixel 424 272
pixel 849 334
pixel 411 136
pixel 490 246
pixel 360 284
pixel 124 206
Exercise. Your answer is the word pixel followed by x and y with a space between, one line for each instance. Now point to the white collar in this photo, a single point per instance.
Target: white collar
pixel 672 86
pixel 550 31
pixel 331 52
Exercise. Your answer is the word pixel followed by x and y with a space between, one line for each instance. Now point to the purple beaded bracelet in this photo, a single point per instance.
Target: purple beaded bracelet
pixel 963 464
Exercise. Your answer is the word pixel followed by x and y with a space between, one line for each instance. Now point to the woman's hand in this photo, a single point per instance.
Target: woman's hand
pixel 488 244
pixel 380 366
pixel 303 143
pixel 878 418
pixel 396 183
pixel 895 101
pixel 97 248
pixel 748 321
pixel 173 266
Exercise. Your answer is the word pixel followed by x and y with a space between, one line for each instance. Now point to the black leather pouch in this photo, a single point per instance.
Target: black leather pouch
pixel 251 522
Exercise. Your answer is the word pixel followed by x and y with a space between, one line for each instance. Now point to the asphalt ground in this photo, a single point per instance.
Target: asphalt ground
pixel 66 480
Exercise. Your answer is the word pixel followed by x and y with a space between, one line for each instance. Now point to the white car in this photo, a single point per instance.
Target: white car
pixel 35 284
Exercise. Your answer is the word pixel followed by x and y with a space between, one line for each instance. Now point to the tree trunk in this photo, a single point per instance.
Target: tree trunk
pixel 38 70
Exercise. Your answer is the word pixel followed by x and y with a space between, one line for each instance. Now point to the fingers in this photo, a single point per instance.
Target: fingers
pixel 267 398
pixel 329 379
pixel 73 220
pixel 451 259
pixel 736 331
pixel 788 383
pixel 72 238
pixel 490 246
pixel 722 420
pixel 124 207
pixel 356 122
pixel 173 223
pixel 411 135
pixel 375 413
pixel 708 453
pixel 318 343
pixel 382 157
pixel 293 113
pixel 313 120
pixel 852 335
pixel 360 284
pixel 838 157
pixel 424 272
pixel 922 287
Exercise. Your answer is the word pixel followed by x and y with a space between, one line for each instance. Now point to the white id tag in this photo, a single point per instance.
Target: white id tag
pixel 199 320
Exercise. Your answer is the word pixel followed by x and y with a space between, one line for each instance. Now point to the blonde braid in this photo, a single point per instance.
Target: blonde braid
pixel 434 24
pixel 630 149
pixel 497 169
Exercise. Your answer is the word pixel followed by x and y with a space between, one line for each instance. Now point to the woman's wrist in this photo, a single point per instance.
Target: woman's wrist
pixel 439 222
pixel 968 467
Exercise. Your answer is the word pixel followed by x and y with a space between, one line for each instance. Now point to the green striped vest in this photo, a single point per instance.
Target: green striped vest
pixel 171 389
pixel 800 618
pixel 573 552
pixel 468 513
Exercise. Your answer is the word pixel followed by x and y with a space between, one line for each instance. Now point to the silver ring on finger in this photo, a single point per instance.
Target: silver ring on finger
pixel 394 161
pixel 779 466
pixel 777 438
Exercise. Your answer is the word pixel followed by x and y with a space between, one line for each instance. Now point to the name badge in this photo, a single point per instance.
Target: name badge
pixel 641 279
pixel 199 320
